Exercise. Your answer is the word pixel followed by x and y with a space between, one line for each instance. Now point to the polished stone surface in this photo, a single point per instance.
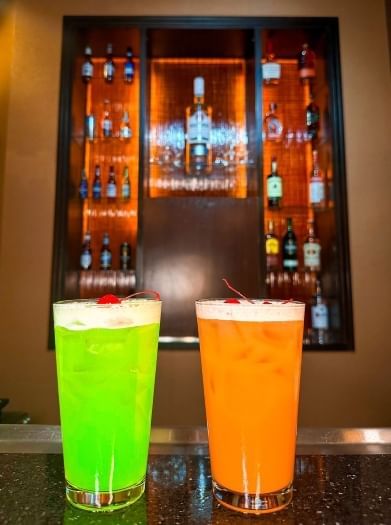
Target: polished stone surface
pixel 335 489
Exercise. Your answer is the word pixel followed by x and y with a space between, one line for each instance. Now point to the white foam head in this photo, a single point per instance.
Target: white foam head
pixel 259 310
pixel 86 314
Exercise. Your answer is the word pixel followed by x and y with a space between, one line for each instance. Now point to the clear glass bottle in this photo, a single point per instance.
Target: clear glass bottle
pixel 271 69
pixel 86 253
pixel 289 248
pixel 111 188
pixel 83 185
pixel 125 131
pixel 319 317
pixel 272 248
pixel 109 66
pixel 312 249
pixel 87 68
pixel 129 66
pixel 105 253
pixel 125 188
pixel 274 186
pixel 97 184
pixel 198 151
pixel 306 64
pixel 317 183
pixel 272 125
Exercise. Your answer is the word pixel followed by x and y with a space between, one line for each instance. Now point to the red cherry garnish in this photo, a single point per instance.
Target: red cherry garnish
pixel 266 302
pixel 108 299
pixel 232 301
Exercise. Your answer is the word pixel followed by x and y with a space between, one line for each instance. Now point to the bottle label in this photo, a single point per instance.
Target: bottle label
pixel 90 126
pixel 83 190
pixel 111 190
pixel 290 248
pixel 274 187
pixel 85 260
pixel 87 69
pixel 272 246
pixel 274 128
pixel 320 316
pixel 107 127
pixel 312 118
pixel 129 70
pixel 316 191
pixel 312 254
pixel 96 191
pixel 271 71
pixel 108 69
pixel 291 263
pixel 105 260
pixel 126 132
pixel 126 191
pixel 198 128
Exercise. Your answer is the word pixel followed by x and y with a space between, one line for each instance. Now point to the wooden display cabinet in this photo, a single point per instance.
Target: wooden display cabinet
pixel 189 230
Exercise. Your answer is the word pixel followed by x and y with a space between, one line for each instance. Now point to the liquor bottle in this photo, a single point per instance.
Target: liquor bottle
pixel 109 66
pixel 274 186
pixel 111 188
pixel 125 256
pixel 312 117
pixel 289 248
pixel 317 190
pixel 90 129
pixel 86 253
pixel 271 70
pixel 319 316
pixel 125 131
pixel 97 184
pixel 312 249
pixel 105 253
pixel 107 122
pixel 272 125
pixel 198 152
pixel 306 64
pixel 129 66
pixel 87 68
pixel 125 189
pixel 83 185
pixel 272 245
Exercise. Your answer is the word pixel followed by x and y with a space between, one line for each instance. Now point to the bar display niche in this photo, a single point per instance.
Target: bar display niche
pixel 300 136
pixel 200 207
pixel 199 225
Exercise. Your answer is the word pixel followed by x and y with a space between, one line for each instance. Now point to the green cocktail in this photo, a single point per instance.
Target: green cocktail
pixel 106 361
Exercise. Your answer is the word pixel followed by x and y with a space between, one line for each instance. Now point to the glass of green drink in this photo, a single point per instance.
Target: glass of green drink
pixel 106 361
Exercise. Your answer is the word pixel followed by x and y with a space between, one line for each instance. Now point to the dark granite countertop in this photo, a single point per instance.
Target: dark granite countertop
pixel 341 488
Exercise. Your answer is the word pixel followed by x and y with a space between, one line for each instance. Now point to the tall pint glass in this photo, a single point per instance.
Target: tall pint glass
pixel 251 360
pixel 106 360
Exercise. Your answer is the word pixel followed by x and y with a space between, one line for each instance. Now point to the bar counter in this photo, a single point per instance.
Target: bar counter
pixel 343 476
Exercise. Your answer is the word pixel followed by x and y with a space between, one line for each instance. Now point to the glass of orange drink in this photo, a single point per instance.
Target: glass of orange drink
pixel 251 360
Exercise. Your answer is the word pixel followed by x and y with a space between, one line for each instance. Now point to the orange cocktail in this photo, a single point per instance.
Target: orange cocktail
pixel 251 357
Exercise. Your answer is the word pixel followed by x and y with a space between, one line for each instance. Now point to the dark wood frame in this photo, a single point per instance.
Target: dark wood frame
pixel 72 24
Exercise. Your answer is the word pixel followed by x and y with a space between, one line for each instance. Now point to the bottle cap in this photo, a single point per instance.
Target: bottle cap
pixel 109 48
pixel 88 50
pixel 199 86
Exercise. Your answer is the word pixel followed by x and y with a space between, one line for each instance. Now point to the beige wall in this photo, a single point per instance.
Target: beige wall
pixel 337 389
